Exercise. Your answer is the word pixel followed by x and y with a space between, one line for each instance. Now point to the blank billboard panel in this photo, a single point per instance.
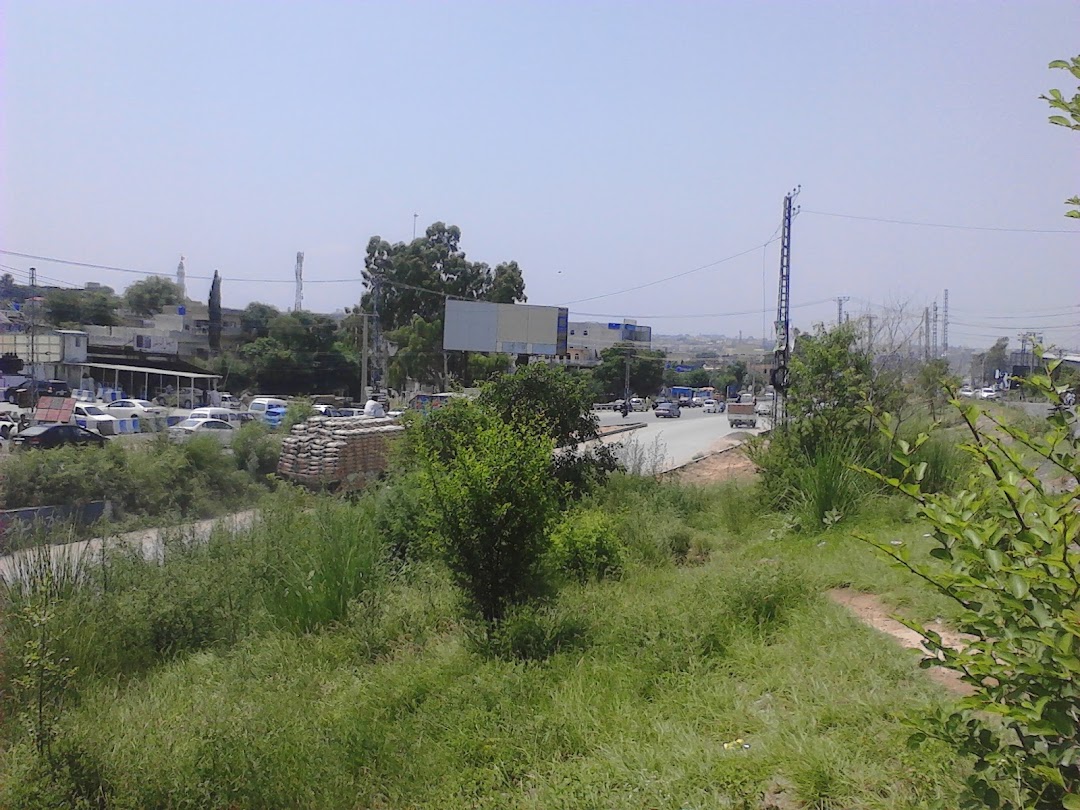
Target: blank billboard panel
pixel 478 326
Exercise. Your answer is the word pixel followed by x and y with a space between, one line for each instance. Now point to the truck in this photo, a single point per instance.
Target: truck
pixel 741 414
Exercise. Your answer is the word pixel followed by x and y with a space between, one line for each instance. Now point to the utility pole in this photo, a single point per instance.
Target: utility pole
pixel 782 352
pixel 945 327
pixel 934 351
pixel 33 335
pixel 926 334
pixel 870 335
pixel 626 383
pixel 377 364
pixel 364 383
pixel 840 301
pixel 414 218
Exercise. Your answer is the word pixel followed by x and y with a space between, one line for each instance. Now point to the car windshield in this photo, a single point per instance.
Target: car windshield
pixel 93 410
pixel 190 423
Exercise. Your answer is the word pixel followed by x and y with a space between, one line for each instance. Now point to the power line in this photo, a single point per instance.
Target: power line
pixel 169 275
pixel 698 315
pixel 951 226
pixel 718 262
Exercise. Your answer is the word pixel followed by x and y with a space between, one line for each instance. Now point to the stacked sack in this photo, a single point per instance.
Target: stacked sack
pixel 342 450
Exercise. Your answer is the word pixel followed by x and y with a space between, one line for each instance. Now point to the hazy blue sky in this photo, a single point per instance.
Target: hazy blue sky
pixel 602 145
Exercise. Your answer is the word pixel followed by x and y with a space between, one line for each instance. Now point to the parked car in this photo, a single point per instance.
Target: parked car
pixel 274 415
pixel 245 417
pixel 222 431
pixel 133 409
pixel 989 393
pixel 8 425
pixel 967 391
pixel 94 418
pixel 714 406
pixel 668 410
pixel 259 406
pixel 44 388
pixel 229 401
pixel 48 436
pixel 224 414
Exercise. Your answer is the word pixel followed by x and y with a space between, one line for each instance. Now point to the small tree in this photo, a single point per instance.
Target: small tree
pixel 494 500
pixel 151 295
pixel 213 309
pixel 1012 563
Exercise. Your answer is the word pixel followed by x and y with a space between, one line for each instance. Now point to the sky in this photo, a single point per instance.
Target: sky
pixel 602 145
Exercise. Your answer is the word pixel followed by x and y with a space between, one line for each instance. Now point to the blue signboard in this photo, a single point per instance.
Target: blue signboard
pixel 614 326
pixel 181 310
pixel 683 369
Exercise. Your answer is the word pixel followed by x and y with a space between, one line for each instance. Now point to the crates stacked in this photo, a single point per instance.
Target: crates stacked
pixel 337 451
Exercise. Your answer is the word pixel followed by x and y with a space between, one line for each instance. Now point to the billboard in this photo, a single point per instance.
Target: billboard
pixel 480 326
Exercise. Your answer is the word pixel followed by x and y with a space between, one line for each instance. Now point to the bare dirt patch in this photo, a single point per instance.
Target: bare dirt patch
pixel 870 610
pixel 727 461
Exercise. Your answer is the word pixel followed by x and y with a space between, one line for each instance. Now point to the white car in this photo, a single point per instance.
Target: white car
pixel 637 404
pixel 228 401
pixel 988 393
pixel 222 431
pixel 133 409
pixel 966 391
pixel 713 406
pixel 94 418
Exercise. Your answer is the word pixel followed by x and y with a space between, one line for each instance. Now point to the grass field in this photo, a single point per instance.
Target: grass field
pixel 292 666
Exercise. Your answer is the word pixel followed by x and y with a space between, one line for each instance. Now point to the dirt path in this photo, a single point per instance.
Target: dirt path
pixel 871 611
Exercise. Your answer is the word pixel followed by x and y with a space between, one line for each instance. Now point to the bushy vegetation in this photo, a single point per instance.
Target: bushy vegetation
pixel 1012 567
pixel 158 478
pixel 296 663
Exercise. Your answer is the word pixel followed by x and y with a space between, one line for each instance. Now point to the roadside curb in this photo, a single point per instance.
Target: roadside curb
pixel 623 429
pixel 703 458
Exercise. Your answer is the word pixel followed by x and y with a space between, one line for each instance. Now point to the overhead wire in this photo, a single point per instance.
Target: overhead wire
pixel 674 276
pixel 948 225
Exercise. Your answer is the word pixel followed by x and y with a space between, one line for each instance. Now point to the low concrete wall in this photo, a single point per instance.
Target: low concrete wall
pixel 82 514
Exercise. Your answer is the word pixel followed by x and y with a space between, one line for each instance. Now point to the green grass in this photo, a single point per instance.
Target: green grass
pixel 333 680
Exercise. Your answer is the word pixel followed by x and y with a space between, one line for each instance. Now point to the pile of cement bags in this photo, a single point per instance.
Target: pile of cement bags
pixel 337 451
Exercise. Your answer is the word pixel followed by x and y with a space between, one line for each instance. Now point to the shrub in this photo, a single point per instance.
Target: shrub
pixel 1012 563
pixel 256 449
pixel 586 545
pixel 494 499
pixel 295 414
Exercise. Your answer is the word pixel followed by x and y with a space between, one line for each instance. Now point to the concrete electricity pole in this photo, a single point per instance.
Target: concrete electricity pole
pixel 945 327
pixel 840 300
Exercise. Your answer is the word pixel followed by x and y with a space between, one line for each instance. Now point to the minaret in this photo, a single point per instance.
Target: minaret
pixel 180 282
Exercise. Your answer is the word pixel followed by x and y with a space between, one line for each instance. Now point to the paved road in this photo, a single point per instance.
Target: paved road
pixel 678 440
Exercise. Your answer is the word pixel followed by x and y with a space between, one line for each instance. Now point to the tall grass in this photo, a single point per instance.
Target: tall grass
pixel 118 612
pixel 669 665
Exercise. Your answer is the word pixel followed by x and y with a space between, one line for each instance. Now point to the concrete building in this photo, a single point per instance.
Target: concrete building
pixel 587 339
pixel 48 354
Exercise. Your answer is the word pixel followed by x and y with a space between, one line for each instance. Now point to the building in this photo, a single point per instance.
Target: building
pixel 48 354
pixel 171 334
pixel 587 339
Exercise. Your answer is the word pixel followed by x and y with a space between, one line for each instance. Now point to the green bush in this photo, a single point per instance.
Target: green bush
pixel 1009 544
pixel 403 517
pixel 296 413
pixel 586 545
pixel 494 499
pixel 256 449
pixel 155 478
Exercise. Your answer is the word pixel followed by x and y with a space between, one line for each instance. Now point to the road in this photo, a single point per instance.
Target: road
pixel 679 440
